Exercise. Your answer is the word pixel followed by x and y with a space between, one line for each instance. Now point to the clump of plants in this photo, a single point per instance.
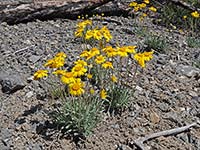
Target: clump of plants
pixel 157 43
pixel 98 81
pixel 142 8
pixel 179 17
pixel 193 42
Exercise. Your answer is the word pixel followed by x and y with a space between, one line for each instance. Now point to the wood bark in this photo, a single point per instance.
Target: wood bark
pixel 30 10
pixel 185 5
pixel 23 12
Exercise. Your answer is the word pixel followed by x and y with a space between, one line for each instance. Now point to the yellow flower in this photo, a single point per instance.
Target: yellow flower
pixel 67 77
pixel 50 63
pixel 142 5
pixel 89 34
pixel 152 9
pixel 100 59
pixel 40 74
pixel 107 65
pixel 89 76
pixel 133 4
pixel 110 52
pixel 92 91
pixel 93 52
pixel 81 62
pixel 184 17
pixel 106 33
pixel 148 55
pixel 141 58
pixel 79 32
pixel 84 23
pixel 56 62
pixel 85 54
pixel 103 94
pixel 114 78
pixel 81 27
pixel 90 55
pixel 59 72
pixel 136 8
pixel 144 14
pixel 88 22
pixel 97 34
pixel 78 70
pixel 61 54
pixel 76 88
pixel 122 51
pixel 130 49
pixel 146 1
pixel 195 14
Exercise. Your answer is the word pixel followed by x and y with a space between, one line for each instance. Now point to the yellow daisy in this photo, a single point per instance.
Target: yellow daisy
pixel 114 78
pixel 61 54
pixel 79 70
pixel 76 88
pixel 100 59
pixel 40 74
pixel 195 14
pixel 110 51
pixel 97 34
pixel 81 62
pixel 67 77
pixel 107 65
pixel 103 94
pixel 59 72
pixel 152 9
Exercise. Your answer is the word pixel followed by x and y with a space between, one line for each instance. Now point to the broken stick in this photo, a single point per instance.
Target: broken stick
pixel 140 141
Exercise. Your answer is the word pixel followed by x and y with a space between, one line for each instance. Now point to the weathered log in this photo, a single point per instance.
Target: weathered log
pixel 185 5
pixel 42 9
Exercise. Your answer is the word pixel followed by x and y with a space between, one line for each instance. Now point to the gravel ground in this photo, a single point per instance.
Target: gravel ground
pixel 167 95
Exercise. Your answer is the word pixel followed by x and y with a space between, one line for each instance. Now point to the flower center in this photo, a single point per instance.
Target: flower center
pixel 68 75
pixel 76 87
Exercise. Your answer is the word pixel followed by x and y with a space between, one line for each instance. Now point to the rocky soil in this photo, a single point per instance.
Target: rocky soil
pixel 167 95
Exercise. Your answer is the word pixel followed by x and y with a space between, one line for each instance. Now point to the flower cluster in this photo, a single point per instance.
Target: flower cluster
pixel 102 63
pixel 96 81
pixel 84 30
pixel 195 14
pixel 143 7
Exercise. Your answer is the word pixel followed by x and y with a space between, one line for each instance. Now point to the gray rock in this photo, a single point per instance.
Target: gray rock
pixel 3 146
pixel 11 82
pixel 188 71
pixel 172 116
pixel 5 133
pixel 5 141
pixel 183 137
pixel 115 126
pixel 34 58
pixel 29 94
pixel 164 107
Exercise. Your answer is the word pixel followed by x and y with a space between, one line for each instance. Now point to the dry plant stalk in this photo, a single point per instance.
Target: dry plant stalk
pixel 140 141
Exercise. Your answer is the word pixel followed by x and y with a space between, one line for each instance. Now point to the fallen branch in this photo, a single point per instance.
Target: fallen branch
pixel 18 51
pixel 185 5
pixel 140 141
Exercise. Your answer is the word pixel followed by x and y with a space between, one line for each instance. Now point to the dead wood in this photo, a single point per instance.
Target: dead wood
pixel 23 12
pixel 140 141
pixel 185 5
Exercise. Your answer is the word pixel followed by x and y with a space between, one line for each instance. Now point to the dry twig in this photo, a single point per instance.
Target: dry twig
pixel 140 141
